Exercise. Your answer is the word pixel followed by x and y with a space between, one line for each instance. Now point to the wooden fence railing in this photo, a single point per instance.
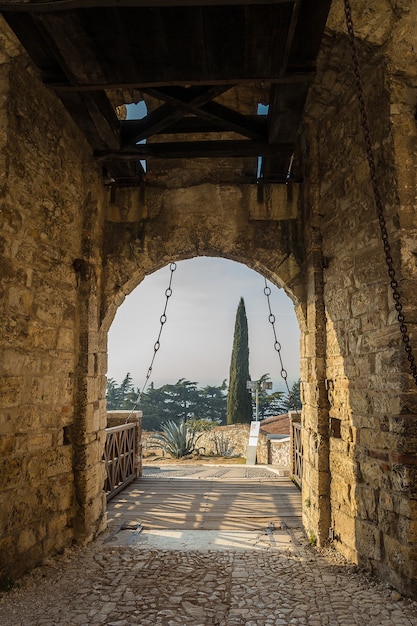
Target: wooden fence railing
pixel 121 457
pixel 296 450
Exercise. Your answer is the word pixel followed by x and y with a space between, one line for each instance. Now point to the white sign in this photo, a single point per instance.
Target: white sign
pixel 253 433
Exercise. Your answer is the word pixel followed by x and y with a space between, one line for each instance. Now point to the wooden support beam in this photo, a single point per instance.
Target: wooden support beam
pixel 290 36
pixel 186 125
pixel 198 149
pixel 223 118
pixel 71 46
pixel 294 76
pixel 231 121
pixel 96 119
pixel 165 115
pixel 71 5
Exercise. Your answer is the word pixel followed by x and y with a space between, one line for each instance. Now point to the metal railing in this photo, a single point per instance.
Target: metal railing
pixel 120 457
pixel 296 451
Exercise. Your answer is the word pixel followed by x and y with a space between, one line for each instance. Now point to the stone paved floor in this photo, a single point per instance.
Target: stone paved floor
pixel 130 585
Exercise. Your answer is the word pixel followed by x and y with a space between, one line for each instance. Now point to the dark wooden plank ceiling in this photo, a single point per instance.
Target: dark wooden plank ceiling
pixel 184 54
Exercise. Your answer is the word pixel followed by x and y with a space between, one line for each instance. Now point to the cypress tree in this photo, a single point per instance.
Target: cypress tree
pixel 239 401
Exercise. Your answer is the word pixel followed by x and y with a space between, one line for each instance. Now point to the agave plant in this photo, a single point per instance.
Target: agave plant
pixel 177 440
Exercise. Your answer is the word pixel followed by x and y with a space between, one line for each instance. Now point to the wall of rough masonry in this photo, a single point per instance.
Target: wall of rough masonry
pixel 231 441
pixel 360 475
pixel 70 252
pixel 279 453
pixel 50 437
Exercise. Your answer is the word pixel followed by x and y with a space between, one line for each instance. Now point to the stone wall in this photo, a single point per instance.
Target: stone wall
pixel 232 441
pixel 363 462
pixel 50 441
pixel 70 253
pixel 221 440
pixel 279 452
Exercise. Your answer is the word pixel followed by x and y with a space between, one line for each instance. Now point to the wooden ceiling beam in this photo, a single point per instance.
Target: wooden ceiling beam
pixel 165 115
pixel 309 31
pixel 231 121
pixel 295 76
pixel 186 125
pixel 285 112
pixel 54 6
pixel 72 48
pixel 290 36
pixel 96 118
pixel 198 149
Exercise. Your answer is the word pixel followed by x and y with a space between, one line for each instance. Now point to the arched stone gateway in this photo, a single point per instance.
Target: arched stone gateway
pixel 72 247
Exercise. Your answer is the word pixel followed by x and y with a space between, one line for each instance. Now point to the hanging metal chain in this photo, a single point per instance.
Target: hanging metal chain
pixel 278 348
pixel 377 193
pixel 157 344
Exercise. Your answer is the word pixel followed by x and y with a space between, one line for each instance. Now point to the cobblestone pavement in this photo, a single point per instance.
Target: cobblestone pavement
pixel 127 585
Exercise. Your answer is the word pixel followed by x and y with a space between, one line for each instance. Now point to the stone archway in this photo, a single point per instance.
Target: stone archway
pixel 71 250
pixel 263 233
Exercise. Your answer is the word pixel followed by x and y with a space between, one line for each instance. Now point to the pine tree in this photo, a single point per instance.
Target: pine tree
pixel 292 400
pixel 239 403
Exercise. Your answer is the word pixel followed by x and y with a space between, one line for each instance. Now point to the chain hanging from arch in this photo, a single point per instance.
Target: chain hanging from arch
pixel 377 193
pixel 157 344
pixel 278 348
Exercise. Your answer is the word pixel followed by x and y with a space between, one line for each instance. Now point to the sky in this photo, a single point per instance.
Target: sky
pixel 197 338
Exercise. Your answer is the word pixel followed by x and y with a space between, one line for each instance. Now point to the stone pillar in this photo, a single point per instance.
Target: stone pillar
pixel 87 432
pixel 316 478
pixel 372 398
pixel 49 318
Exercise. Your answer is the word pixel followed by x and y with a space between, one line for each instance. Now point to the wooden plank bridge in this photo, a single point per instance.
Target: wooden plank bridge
pixel 197 497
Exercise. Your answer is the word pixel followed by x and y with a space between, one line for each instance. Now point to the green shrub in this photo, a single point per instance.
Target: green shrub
pixel 177 440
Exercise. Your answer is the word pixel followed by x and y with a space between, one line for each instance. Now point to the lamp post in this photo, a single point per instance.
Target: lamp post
pixel 256 386
pixel 253 386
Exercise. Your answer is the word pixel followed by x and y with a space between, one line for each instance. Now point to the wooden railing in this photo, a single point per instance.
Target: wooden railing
pixel 121 457
pixel 296 450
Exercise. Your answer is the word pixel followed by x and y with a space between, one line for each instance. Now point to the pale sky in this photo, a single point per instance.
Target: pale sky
pixel 197 339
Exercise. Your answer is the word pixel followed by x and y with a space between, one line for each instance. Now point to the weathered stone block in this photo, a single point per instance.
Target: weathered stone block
pixel 404 479
pixel 279 202
pixel 368 540
pixel 27 539
pixel 12 472
pixel 341 494
pixel 11 388
pixel 401 558
pixel 65 340
pixel 33 443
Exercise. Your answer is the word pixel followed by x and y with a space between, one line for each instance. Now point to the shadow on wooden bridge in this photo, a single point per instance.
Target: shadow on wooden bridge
pixel 229 498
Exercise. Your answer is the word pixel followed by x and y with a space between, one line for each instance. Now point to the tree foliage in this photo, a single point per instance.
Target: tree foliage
pixel 239 403
pixel 181 401
pixel 186 401
pixel 121 396
pixel 294 397
pixel 269 403
pixel 276 402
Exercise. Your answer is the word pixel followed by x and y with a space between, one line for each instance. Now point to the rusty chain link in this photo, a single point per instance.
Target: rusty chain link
pixel 157 344
pixel 277 347
pixel 377 193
